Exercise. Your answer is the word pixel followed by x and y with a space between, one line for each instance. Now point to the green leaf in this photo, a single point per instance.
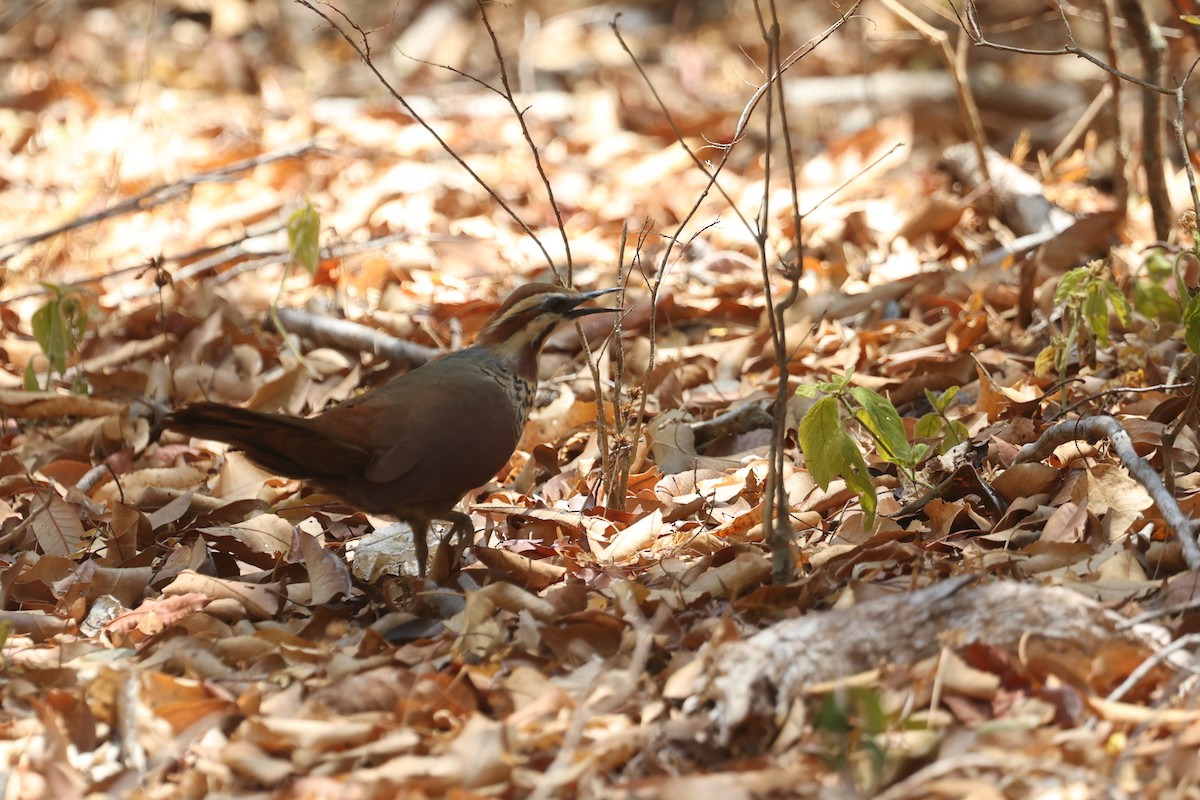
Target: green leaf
pixel 1191 324
pixel 1154 302
pixel 1158 266
pixel 1047 358
pixel 870 703
pixel 833 715
pixel 821 439
pixel 808 390
pixel 837 385
pixel 881 419
pixel 58 327
pixel 928 427
pixel 829 452
pixel 943 400
pixel 858 477
pixel 1070 284
pixel 1118 301
pixel 1095 313
pixel 30 382
pixel 304 233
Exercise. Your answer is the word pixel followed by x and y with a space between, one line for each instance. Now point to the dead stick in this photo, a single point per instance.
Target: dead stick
pixel 1104 426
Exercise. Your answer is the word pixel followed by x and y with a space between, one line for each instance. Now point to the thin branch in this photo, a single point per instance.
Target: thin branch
pixel 775 519
pixel 347 335
pixel 364 52
pixel 155 196
pixel 860 172
pixel 1156 658
pixel 1108 9
pixel 1177 126
pixel 533 148
pixel 662 107
pixel 955 59
pixel 971 26
pixel 743 121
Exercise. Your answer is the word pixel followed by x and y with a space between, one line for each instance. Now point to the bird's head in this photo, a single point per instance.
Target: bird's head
pixel 519 328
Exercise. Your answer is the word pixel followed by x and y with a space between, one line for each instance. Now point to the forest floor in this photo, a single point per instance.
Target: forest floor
pixel 966 616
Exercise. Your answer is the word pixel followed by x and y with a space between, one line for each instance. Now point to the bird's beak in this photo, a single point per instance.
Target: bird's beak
pixel 585 296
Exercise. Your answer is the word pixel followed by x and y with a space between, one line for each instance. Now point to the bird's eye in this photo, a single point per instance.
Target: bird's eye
pixel 559 303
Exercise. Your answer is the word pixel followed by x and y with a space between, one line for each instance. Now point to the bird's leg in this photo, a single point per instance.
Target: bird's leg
pixel 464 527
pixel 420 534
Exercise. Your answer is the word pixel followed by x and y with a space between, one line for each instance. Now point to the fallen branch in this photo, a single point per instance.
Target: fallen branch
pixel 753 683
pixel 1105 427
pixel 749 416
pixel 346 335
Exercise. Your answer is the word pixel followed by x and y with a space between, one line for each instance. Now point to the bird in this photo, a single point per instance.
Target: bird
pixel 411 448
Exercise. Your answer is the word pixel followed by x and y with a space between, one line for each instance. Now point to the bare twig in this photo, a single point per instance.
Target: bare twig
pixel 154 196
pixel 1172 431
pixel 363 50
pixel 1121 152
pixel 1157 657
pixel 775 497
pixel 507 94
pixel 743 121
pixel 1177 126
pixel 858 174
pixel 971 25
pixel 1152 46
pixel 615 443
pixel 605 439
pixel 956 62
pixel 621 466
pixel 1085 123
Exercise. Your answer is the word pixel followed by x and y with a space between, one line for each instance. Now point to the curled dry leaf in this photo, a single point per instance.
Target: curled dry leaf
pixel 260 601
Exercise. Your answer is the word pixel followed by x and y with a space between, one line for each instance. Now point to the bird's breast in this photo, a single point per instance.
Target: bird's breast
pixel 518 390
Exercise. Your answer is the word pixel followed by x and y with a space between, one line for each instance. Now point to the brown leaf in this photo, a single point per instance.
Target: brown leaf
pixel 327 574
pixel 153 616
pixel 57 527
pixel 256 600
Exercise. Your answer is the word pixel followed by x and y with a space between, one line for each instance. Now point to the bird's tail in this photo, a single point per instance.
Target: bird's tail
pixel 284 445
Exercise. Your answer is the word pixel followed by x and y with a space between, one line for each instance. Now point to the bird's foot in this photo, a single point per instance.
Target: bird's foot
pixel 452 545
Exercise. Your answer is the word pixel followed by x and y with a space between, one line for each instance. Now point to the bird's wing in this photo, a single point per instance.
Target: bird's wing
pixel 450 436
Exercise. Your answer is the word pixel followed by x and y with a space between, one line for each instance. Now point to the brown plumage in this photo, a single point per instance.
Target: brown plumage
pixel 414 446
